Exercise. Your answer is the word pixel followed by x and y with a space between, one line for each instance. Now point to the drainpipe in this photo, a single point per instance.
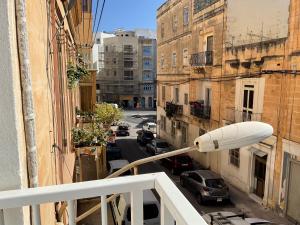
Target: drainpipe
pixel 27 101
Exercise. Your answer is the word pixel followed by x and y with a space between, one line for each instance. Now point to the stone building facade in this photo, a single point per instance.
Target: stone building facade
pixel 53 43
pixel 238 70
pixel 129 71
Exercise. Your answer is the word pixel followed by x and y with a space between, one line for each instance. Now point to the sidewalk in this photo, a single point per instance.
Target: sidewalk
pixel 243 202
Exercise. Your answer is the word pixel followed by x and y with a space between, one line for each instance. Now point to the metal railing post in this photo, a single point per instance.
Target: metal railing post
pixel 103 210
pixel 71 211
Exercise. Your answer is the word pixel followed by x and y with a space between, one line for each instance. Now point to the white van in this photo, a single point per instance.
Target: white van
pixel 121 209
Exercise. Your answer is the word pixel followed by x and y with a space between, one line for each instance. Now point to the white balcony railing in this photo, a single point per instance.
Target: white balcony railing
pixel 174 206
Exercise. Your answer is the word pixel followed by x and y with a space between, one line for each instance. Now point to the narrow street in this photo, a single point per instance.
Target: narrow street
pixel 132 151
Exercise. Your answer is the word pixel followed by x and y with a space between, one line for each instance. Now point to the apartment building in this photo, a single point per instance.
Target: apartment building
pixel 129 70
pixel 52 44
pixel 238 69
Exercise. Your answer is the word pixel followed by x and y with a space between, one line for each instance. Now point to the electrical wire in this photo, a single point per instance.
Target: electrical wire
pixel 100 17
pixel 94 21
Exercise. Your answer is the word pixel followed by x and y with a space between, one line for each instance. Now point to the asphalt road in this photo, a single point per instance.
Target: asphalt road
pixel 132 151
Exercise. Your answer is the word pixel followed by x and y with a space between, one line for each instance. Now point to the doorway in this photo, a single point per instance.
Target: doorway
pixel 260 166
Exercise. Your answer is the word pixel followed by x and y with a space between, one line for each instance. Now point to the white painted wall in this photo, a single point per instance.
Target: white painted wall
pixel 13 152
pixel 266 17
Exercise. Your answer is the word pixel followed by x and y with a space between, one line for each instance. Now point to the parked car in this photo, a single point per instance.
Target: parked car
pixel 122 130
pixel 206 185
pixel 150 126
pixel 225 217
pixel 121 209
pixel 158 146
pixel 113 152
pixel 115 165
pixel 179 163
pixel 144 137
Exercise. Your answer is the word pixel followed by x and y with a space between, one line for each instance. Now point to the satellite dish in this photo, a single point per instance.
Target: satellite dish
pixel 234 136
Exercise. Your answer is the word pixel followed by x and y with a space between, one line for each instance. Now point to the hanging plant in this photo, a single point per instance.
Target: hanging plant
pixel 75 73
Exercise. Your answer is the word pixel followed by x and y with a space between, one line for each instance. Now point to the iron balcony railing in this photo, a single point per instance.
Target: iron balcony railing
pixel 174 207
pixel 237 116
pixel 202 59
pixel 173 109
pixel 198 109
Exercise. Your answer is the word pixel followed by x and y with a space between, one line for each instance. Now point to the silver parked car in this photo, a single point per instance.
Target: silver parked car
pixel 206 185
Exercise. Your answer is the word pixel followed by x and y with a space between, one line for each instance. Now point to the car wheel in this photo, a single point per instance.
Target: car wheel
pixel 199 199
pixel 182 182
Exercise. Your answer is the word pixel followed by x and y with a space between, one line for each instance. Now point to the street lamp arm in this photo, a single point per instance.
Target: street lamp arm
pixel 151 159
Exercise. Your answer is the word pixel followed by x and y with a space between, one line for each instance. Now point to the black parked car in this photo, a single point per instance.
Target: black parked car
pixel 178 163
pixel 122 131
pixel 113 152
pixel 144 137
pixel 206 185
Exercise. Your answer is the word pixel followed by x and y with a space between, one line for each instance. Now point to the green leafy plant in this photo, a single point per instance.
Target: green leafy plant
pixel 106 114
pixel 75 73
pixel 94 136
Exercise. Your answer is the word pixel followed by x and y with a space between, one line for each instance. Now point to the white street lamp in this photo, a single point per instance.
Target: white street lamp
pixel 229 137
pixel 233 136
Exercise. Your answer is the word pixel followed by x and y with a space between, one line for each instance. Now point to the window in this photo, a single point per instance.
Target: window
pixel 186 16
pixel 98 40
pixel 128 75
pixel 147 51
pixel 175 23
pixel 128 64
pixel 115 73
pixel 201 4
pixel 162 62
pixel 196 177
pixel 186 99
pixel 98 86
pixel 147 64
pixel 147 76
pixel 174 59
pixel 234 157
pixel 106 48
pixel 163 95
pixel 184 135
pixel 162 30
pixel 173 130
pixel 147 87
pixel 185 57
pixel 176 93
pixel 248 102
pixel 107 72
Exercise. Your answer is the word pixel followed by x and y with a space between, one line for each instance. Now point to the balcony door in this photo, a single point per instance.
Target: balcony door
pixel 248 102
pixel 209 43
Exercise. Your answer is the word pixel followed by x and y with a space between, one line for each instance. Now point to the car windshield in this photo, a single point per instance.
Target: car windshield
pixel 215 183
pixel 122 128
pixel 162 145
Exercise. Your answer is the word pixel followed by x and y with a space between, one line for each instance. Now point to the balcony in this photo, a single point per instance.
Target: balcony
pixel 236 116
pixel 173 109
pixel 198 109
pixel 202 59
pixel 174 207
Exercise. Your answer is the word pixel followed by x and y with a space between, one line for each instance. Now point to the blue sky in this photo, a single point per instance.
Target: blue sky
pixel 127 14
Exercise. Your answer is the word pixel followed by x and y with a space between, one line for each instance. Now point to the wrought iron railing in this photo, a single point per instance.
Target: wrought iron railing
pixel 236 116
pixel 198 109
pixel 202 59
pixel 173 109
